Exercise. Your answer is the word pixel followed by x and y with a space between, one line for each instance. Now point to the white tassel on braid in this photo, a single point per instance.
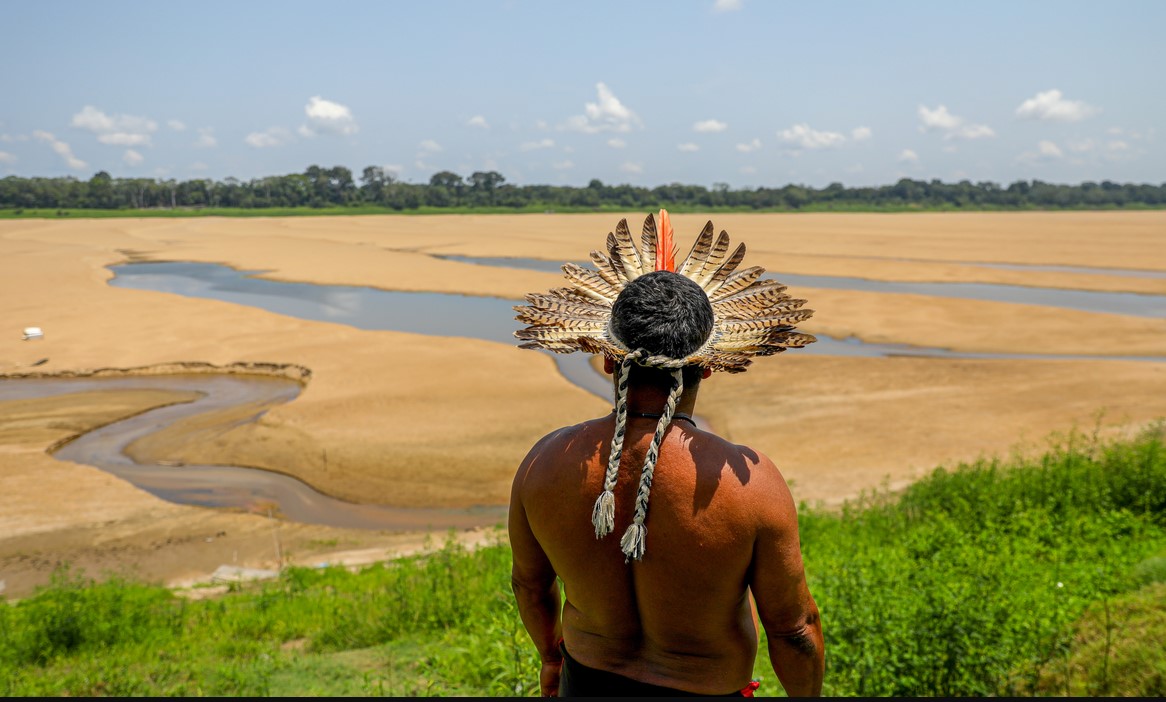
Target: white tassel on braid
pixel 603 513
pixel 633 541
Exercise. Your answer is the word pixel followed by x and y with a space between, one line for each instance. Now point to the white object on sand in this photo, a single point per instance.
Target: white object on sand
pixel 33 333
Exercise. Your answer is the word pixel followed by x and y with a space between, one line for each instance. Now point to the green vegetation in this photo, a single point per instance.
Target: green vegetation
pixel 334 191
pixel 1040 575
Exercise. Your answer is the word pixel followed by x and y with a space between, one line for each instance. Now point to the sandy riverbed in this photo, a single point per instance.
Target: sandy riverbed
pixel 411 420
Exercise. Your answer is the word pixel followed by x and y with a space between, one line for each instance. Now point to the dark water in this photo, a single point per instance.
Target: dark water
pixel 222 486
pixel 1140 305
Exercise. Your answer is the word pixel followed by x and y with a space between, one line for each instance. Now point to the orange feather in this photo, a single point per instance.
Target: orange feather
pixel 665 253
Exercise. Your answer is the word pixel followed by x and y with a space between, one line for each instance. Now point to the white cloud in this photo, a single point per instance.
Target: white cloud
pixel 1051 105
pixel 908 156
pixel 1118 146
pixel 608 114
pixel 950 125
pixel 61 148
pixel 6 157
pixel 1045 151
pixel 535 145
pixel 429 146
pixel 630 167
pixel 1081 145
pixel 748 170
pixel 726 5
pixel 325 116
pixel 1049 149
pixel 206 138
pixel 176 125
pixel 860 133
pixel 563 165
pixel 750 146
pixel 394 169
pixel 688 147
pixel 710 125
pixel 118 130
pixel 616 143
pixel 802 136
pixel 198 166
pixel 132 158
pixel 478 121
pixel 276 136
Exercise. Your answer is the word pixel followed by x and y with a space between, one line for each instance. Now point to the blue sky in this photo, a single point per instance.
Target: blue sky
pixel 743 92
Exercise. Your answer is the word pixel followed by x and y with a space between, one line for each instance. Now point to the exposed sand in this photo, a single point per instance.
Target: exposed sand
pixel 412 420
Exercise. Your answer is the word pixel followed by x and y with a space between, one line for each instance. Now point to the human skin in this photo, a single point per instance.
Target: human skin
pixel 721 533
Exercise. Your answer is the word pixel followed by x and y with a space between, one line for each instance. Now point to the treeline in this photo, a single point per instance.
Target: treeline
pixel 334 187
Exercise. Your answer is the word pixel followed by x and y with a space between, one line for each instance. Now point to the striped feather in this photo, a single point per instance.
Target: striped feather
pixel 648 242
pixel 786 319
pixel 589 283
pixel 550 334
pixel 736 283
pixel 697 255
pixel 713 261
pixel 730 311
pixel 607 270
pixel 625 250
pixel 544 318
pixel 759 291
pixel 720 274
pixel 568 307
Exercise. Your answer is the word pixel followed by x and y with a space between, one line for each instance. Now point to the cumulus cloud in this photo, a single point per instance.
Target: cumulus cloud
pixel 749 146
pixel 1045 151
pixel 616 143
pixel 1052 105
pixel 198 166
pixel 726 5
pixel 802 136
pixel 429 146
pixel 206 138
pixel 607 114
pixel 630 167
pixel 1048 148
pixel 563 165
pixel 860 133
pixel 478 121
pixel 535 145
pixel 118 130
pixel 951 126
pixel 132 158
pixel 688 146
pixel 176 124
pixel 327 117
pixel 908 156
pixel 276 136
pixel 710 125
pixel 61 148
pixel 6 157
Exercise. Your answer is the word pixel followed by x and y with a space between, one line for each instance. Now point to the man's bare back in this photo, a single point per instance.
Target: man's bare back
pixel 721 524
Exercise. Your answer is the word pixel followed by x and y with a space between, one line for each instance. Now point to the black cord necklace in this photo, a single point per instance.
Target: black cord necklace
pixel 656 415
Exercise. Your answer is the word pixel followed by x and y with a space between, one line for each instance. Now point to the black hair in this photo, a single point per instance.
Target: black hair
pixel 665 313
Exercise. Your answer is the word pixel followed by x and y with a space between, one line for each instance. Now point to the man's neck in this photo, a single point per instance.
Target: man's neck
pixel 645 399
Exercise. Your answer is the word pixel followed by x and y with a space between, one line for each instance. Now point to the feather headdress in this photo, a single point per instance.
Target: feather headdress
pixel 751 317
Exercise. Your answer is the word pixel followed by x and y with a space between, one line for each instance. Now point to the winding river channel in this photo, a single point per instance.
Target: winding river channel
pixel 437 314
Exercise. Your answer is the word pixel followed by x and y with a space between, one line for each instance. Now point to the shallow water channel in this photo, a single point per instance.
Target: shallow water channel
pixel 491 319
pixel 231 487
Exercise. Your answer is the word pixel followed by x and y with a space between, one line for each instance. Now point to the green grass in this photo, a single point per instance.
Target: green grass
pixel 1040 575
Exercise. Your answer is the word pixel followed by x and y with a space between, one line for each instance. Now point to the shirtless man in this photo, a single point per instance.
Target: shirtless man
pixel 723 553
